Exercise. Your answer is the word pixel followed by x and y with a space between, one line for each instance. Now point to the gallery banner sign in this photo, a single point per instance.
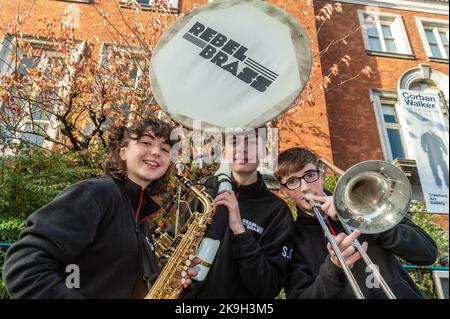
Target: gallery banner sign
pixel 426 136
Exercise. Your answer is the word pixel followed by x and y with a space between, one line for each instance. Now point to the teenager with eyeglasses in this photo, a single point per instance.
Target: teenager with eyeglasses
pixel 314 271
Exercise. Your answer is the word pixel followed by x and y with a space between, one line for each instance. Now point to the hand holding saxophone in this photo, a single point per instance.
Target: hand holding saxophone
pixel 349 252
pixel 185 280
pixel 228 199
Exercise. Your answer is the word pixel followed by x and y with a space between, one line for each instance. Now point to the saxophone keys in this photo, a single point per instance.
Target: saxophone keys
pixel 188 262
pixel 183 274
pixel 191 257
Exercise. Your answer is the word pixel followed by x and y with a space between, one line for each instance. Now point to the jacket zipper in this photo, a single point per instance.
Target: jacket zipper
pixel 140 204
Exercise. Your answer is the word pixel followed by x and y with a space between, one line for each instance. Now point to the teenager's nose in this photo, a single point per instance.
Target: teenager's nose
pixel 155 150
pixel 304 186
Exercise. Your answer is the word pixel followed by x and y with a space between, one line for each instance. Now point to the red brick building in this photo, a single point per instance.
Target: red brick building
pixel 404 42
pixel 311 124
pixel 406 47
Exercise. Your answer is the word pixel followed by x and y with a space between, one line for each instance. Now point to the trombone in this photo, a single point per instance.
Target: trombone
pixel 373 197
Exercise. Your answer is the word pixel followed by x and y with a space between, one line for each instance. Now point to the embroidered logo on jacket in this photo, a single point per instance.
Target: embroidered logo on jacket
pixel 287 252
pixel 152 248
pixel 252 226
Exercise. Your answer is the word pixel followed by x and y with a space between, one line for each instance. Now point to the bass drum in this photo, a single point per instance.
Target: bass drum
pixel 231 64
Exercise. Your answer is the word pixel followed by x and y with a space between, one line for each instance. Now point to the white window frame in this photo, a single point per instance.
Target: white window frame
pixel 377 96
pixel 139 74
pixel 52 124
pixel 78 1
pixel 398 30
pixel 437 276
pixel 140 70
pixel 419 6
pixel 174 4
pixel 436 24
pixel 6 47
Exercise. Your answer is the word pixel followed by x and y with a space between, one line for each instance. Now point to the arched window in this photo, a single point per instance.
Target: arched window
pixel 429 86
pixel 422 78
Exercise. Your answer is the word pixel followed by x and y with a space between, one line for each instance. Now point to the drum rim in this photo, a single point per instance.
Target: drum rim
pixel 300 41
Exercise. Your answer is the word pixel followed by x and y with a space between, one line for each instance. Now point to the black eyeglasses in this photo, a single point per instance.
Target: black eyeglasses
pixel 296 181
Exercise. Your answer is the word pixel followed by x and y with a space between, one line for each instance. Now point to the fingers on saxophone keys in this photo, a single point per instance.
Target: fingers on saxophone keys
pixel 185 282
pixel 192 272
pixel 185 274
pixel 188 282
pixel 185 279
pixel 187 271
pixel 181 283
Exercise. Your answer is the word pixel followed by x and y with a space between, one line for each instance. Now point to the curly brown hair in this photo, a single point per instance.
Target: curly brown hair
pixel 120 136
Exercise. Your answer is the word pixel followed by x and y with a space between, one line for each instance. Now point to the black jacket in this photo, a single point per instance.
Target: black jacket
pixel 313 275
pixel 92 225
pixel 251 264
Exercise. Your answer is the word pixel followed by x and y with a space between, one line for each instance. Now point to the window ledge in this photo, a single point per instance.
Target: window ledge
pixel 439 60
pixel 391 55
pixel 79 1
pixel 146 7
pixel 409 167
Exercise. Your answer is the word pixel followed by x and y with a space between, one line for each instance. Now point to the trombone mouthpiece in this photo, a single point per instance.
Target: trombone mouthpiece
pixel 308 198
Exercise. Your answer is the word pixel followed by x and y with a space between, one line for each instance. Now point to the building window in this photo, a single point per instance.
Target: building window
pixel 129 71
pixel 434 34
pixel 152 4
pixel 36 128
pixel 33 55
pixel 393 130
pixel 384 33
pixel 391 135
pixel 81 1
pixel 35 125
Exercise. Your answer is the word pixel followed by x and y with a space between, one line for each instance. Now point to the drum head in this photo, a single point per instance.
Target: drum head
pixel 233 63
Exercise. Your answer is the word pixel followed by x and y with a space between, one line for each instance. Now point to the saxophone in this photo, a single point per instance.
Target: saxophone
pixel 180 249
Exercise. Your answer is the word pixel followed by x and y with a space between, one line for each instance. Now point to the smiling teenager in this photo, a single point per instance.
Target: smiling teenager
pixel 92 240
pixel 315 271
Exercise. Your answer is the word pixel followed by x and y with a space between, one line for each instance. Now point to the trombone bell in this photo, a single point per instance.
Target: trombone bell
pixel 372 196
